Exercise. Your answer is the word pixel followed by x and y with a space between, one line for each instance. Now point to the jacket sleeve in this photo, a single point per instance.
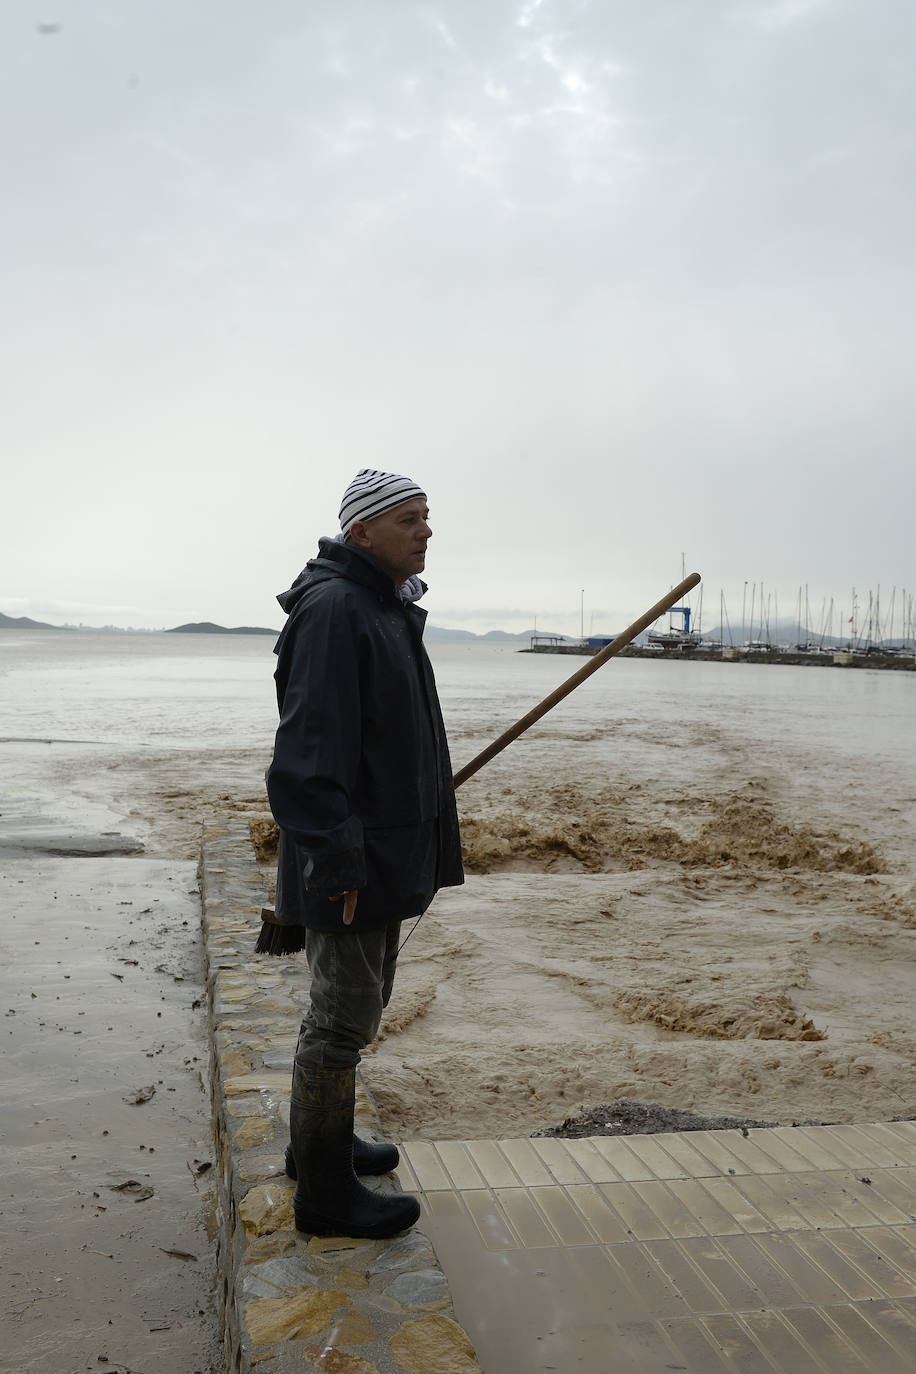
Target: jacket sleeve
pixel 311 779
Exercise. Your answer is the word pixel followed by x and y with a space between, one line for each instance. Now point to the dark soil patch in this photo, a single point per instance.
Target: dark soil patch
pixel 645 1118
pixel 648 1118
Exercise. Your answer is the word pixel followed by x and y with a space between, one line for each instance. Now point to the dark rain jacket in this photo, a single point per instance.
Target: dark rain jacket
pixel 361 783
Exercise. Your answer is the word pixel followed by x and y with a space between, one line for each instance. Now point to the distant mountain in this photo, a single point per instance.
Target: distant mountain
pixel 22 622
pixel 782 631
pixel 206 627
pixel 437 632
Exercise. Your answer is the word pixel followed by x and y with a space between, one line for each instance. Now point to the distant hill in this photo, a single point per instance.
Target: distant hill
pixel 22 622
pixel 782 631
pixel 206 627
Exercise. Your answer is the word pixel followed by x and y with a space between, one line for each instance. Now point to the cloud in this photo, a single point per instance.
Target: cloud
pixel 777 15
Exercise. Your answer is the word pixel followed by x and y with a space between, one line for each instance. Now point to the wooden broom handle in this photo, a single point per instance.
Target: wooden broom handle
pixel 578 677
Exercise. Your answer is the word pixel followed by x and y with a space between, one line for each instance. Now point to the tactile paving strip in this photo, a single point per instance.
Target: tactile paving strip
pixel 790 1249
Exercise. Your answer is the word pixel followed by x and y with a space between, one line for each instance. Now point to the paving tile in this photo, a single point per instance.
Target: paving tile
pixel 627 1164
pixel 875 1150
pixel 892 1185
pixel 879 1194
pixel 782 1345
pixel 701 1203
pixel 851 1280
pixel 893 1325
pixel 848 1156
pixel 606 1292
pixel 526 1162
pixel 828 1200
pixel 405 1176
pixel 559 1161
pixel 674 1215
pixel 739 1292
pixel 527 1219
pixel 641 1346
pixel 905 1131
pixel 906 1178
pixel 869 1343
pixel 729 1196
pixel 761 1269
pixel 491 1221
pixel 492 1163
pixel 599 1214
pixel 655 1158
pixel 781 1151
pixel 753 1156
pixel 895 1247
pixel 566 1220
pixel 445 1204
pixel 771 1197
pixel 737 1343
pixel 805 1147
pixel 636 1215
pixel 712 1145
pixel 812 1283
pixel 592 1162
pixel 459 1165
pixel 907 1309
pixel 858 1249
pixel 427 1167
pixel 821 1335
pixel 695 1288
pixel 693 1163
pixel 649 1283
pixel 695 1346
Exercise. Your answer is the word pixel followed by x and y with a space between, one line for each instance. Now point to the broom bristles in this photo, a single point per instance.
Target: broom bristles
pixel 278 938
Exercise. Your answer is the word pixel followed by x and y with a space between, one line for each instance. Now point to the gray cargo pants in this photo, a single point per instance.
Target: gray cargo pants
pixel 352 975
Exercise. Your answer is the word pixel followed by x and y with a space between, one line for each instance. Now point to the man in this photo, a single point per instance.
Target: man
pixel 361 789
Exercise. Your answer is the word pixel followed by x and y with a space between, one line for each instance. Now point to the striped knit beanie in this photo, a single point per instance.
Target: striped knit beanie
pixel 371 493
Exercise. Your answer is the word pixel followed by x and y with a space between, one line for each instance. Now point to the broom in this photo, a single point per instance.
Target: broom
pixel 278 938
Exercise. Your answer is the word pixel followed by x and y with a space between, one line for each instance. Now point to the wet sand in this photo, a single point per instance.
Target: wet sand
pixel 108 1255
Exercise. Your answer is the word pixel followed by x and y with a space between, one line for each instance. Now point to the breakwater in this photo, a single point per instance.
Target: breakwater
pixel 839 658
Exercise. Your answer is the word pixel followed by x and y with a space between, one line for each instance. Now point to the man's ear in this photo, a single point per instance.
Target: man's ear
pixel 359 535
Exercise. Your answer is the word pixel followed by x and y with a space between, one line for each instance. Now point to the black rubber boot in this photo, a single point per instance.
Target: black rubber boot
pixel 370 1157
pixel 329 1199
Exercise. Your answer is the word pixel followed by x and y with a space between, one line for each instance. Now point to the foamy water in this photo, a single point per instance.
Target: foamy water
pixel 691 883
pixel 106 698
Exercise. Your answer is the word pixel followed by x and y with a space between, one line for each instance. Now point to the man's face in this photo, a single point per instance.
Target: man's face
pixel 397 539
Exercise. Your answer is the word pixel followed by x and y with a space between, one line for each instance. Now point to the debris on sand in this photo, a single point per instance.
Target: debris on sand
pixel 645 1118
pixel 136 1099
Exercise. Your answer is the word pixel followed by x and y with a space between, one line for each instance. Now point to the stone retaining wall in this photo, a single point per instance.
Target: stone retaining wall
pixel 291 1301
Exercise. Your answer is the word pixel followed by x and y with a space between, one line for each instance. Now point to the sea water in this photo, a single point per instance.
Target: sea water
pixel 96 696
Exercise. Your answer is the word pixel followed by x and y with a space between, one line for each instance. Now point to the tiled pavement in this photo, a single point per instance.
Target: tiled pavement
pixel 788 1250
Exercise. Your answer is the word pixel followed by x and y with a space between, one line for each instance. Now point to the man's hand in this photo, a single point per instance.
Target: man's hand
pixel 349 905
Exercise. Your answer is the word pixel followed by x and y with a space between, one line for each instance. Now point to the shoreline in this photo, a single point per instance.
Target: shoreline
pixel 837 658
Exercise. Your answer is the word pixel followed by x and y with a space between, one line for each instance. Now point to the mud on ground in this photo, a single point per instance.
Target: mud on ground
pixel 710 951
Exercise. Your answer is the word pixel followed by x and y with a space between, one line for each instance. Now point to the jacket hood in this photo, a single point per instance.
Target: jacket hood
pixel 337 559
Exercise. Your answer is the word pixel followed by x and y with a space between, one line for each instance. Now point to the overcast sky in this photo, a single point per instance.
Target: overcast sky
pixel 618 282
